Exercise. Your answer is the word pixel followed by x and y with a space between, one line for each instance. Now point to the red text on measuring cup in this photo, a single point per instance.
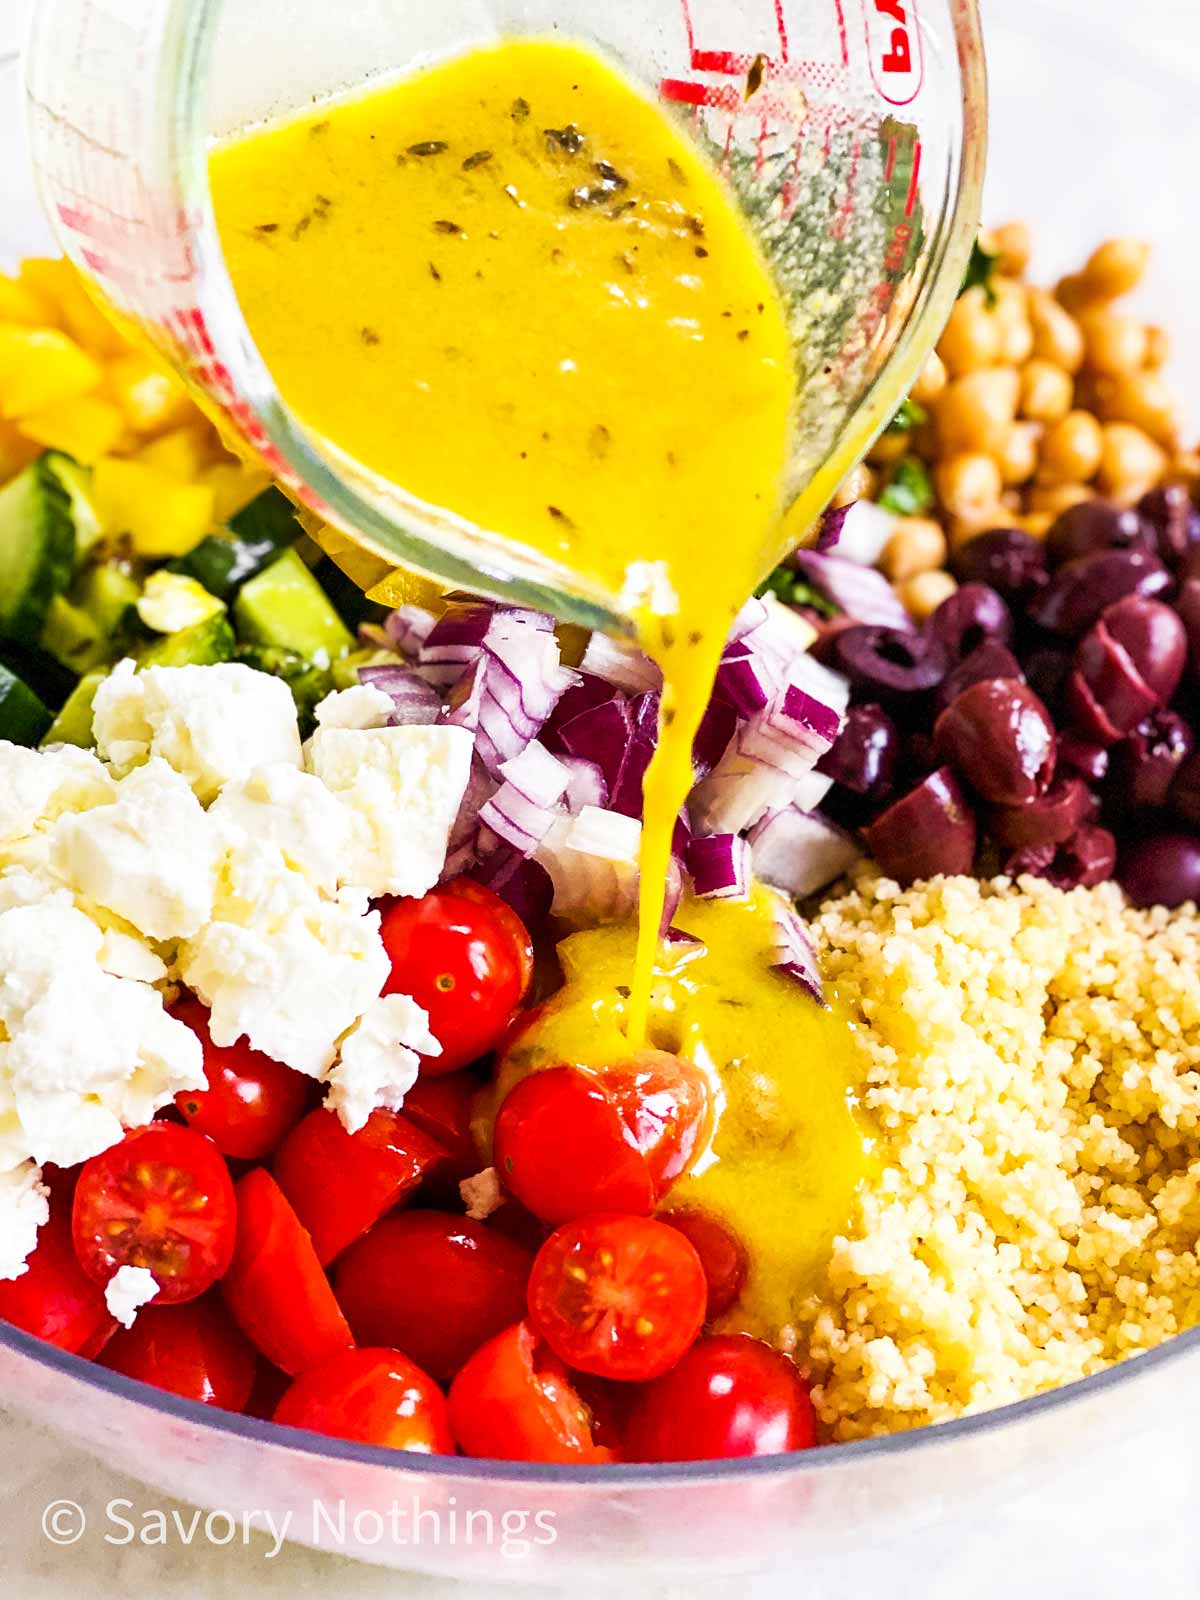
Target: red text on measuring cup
pixel 895 50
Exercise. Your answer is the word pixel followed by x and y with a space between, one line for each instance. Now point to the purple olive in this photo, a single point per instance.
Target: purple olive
pixel 1171 515
pixel 1094 525
pixel 1046 670
pixel 968 617
pixel 1086 859
pixel 1187 609
pixel 1076 754
pixel 928 832
pixel 1147 763
pixel 1080 591
pixel 990 660
pixel 1154 639
pixel 999 736
pixel 1106 695
pixel 866 752
pixel 887 664
pixel 1161 869
pixel 1050 819
pixel 1184 798
pixel 1008 560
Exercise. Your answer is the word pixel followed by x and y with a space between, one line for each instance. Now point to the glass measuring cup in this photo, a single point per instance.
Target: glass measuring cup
pixel 852 130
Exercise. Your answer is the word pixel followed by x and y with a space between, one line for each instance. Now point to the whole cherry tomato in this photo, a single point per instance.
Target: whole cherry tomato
pixel 372 1396
pixel 54 1298
pixel 341 1183
pixel 721 1255
pixel 434 1285
pixel 275 1288
pixel 161 1199
pixel 251 1101
pixel 730 1395
pixel 514 1401
pixel 466 957
pixel 442 1108
pixel 620 1297
pixel 193 1350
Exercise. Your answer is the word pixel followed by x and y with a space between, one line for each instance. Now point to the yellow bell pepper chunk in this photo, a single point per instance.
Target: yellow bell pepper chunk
pixel 86 428
pixel 151 398
pixel 184 453
pixel 161 516
pixel 234 486
pixel 58 283
pixel 41 367
pixel 16 452
pixel 19 304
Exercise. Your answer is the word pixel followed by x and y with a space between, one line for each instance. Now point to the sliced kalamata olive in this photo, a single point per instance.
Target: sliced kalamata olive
pixel 1050 819
pixel 888 665
pixel 1088 716
pixel 1147 763
pixel 1086 859
pixel 1154 638
pixel 1187 609
pixel 866 752
pixel 999 736
pixel 929 831
pixel 1161 869
pixel 1080 591
pixel 1046 669
pixel 1008 560
pixel 1077 754
pixel 970 616
pixel 990 660
pixel 1184 798
pixel 1171 515
pixel 1094 525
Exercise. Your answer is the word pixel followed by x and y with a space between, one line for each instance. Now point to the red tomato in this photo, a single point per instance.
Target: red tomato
pixel 434 1285
pixel 275 1288
pixel 373 1396
pixel 192 1350
pixel 442 1107
pixel 569 1140
pixel 251 1101
pixel 621 1297
pixel 161 1199
pixel 341 1183
pixel 729 1396
pixel 721 1255
pixel 514 1401
pixel 54 1298
pixel 466 958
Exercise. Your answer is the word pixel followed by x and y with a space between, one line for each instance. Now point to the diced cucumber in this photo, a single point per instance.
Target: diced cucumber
pixel 255 537
pixel 73 636
pixel 202 646
pixel 90 624
pixel 106 592
pixel 286 606
pixel 309 684
pixel 73 724
pixel 76 482
pixel 37 549
pixel 23 717
pixel 350 603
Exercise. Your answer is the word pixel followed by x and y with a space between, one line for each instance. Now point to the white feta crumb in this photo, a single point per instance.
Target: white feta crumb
pixel 482 1194
pixel 213 724
pixel 151 856
pixel 127 1291
pixel 38 786
pixel 291 813
pixel 380 1059
pixel 648 587
pixel 24 1208
pixel 362 706
pixel 404 786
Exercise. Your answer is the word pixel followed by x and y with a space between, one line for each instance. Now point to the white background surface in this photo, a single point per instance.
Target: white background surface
pixel 1095 131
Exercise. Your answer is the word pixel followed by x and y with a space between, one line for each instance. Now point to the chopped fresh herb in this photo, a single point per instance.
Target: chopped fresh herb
pixel 754 77
pixel 910 493
pixel 668 717
pixel 623 991
pixel 600 440
pixel 319 128
pixel 558 513
pixel 793 590
pixel 667 632
pixel 696 226
pixel 628 261
pixel 610 174
pixel 510 190
pixel 520 110
pixel 477 160
pixel 981 270
pixel 695 637
pixel 266 227
pixel 444 225
pixel 701 252
pixel 743 334
pixel 912 414
pixel 676 170
pixel 569 140
pixel 369 336
pixel 429 147
pixel 592 194
pixel 302 226
pixel 434 273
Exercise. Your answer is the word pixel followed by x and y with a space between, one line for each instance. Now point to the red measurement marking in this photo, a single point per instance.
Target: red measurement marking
pixel 911 203
pixel 722 96
pixel 843 36
pixel 781 24
pixel 890 170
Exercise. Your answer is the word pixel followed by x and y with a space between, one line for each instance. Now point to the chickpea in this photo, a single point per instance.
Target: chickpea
pixel 1055 498
pixel 1071 449
pixel 857 485
pixel 1018 459
pixel 1185 468
pixel 1012 311
pixel 931 382
pixel 888 449
pixel 925 441
pixel 1056 335
pixel 968 485
pixel 1036 523
pixel 1130 460
pixel 918 545
pixel 976 412
pixel 922 595
pixel 1116 267
pixel 1144 399
pixel 1046 392
pixel 1014 245
pixel 1158 347
pixel 973 335
pixel 1115 343
pixel 1074 294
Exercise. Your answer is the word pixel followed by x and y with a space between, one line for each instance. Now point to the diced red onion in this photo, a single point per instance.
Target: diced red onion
pixel 408 628
pixel 713 737
pixel 719 866
pixel 800 852
pixel 536 774
pixel 861 592
pixel 620 664
pixel 415 702
pixel 832 523
pixel 586 785
pixel 866 529
pixel 523 883
pixel 796 958
pixel 463 846
pixel 740 680
pixel 752 615
pixel 592 860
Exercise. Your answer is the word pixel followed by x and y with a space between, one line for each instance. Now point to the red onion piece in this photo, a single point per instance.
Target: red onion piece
pixel 795 957
pixel 860 592
pixel 415 702
pixel 719 866
pixel 801 852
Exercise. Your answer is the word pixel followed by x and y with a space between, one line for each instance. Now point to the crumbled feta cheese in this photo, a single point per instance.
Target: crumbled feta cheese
pixel 24 1208
pixel 151 856
pixel 292 813
pixel 482 1194
pixel 126 956
pixel 379 1060
pixel 38 786
pixel 648 587
pixel 404 786
pixel 213 724
pixel 363 706
pixel 127 1291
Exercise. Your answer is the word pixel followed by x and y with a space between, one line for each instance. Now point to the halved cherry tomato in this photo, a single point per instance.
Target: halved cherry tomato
pixel 54 1298
pixel 514 1401
pixel 442 1108
pixel 466 957
pixel 161 1199
pixel 572 1140
pixel 341 1183
pixel 621 1297
pixel 730 1395
pixel 374 1396
pixel 251 1101
pixel 194 1350
pixel 434 1285
pixel 721 1255
pixel 275 1289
